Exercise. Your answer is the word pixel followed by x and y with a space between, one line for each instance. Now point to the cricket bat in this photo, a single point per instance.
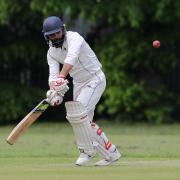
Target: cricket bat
pixel 27 121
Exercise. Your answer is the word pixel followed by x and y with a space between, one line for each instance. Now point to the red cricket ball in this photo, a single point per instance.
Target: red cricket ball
pixel 156 44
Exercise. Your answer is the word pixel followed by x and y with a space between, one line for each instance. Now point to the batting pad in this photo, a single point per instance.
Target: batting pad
pixel 77 116
pixel 103 147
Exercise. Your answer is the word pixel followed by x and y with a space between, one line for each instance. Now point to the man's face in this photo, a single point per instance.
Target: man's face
pixel 55 36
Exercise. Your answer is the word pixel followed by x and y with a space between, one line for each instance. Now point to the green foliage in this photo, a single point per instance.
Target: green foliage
pixel 138 87
pixel 136 73
pixel 16 101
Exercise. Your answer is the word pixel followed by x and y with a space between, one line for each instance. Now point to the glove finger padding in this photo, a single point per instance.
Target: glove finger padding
pixel 53 98
pixel 62 89
pixel 50 94
pixel 56 100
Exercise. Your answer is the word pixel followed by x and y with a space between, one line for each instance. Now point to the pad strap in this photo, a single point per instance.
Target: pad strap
pixel 104 147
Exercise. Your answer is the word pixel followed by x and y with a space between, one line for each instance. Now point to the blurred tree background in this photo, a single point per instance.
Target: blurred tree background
pixel 143 83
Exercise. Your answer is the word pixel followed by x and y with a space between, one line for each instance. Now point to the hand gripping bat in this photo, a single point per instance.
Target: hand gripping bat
pixel 27 121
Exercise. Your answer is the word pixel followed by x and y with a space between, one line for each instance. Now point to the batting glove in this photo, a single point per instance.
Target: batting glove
pixel 53 98
pixel 60 85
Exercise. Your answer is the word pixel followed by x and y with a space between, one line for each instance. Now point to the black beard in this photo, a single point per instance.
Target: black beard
pixel 57 42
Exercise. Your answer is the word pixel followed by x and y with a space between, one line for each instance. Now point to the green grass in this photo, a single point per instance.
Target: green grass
pixel 48 152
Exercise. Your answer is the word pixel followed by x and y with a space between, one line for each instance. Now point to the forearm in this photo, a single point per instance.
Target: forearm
pixel 62 76
pixel 65 70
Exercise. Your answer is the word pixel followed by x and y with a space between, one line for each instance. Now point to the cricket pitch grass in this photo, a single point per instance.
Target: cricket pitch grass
pixel 48 152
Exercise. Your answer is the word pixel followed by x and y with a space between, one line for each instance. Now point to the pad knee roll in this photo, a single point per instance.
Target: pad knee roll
pixel 76 112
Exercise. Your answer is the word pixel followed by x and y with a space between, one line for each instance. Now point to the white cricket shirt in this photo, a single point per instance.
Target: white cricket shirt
pixel 75 51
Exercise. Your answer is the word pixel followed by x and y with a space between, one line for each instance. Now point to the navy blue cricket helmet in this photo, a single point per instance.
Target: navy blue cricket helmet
pixel 51 25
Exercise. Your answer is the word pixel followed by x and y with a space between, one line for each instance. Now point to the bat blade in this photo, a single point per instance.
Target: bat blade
pixel 27 121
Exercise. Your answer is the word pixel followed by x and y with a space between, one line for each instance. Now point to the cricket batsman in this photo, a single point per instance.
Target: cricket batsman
pixel 80 62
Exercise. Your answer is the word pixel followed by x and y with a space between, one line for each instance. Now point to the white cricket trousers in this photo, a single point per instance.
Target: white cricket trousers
pixel 89 92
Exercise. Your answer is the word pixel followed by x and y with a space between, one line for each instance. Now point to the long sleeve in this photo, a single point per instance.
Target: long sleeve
pixel 74 45
pixel 53 68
